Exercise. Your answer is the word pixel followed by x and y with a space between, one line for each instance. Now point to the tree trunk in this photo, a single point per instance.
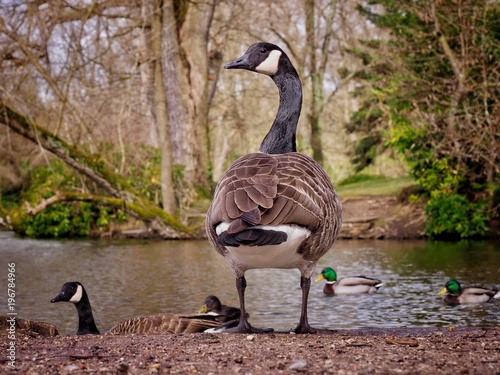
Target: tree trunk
pixel 161 112
pixel 146 68
pixel 186 83
pixel 316 84
pixel 317 73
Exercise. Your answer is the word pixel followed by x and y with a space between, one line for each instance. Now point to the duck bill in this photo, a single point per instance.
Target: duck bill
pixel 203 310
pixel 443 291
pixel 240 63
pixel 320 277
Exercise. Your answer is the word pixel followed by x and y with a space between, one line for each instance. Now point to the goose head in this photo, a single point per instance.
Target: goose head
pixel 75 293
pixel 72 291
pixel 271 60
pixel 264 58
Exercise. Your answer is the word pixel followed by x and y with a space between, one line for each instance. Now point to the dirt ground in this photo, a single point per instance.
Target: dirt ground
pixel 384 351
pixel 381 217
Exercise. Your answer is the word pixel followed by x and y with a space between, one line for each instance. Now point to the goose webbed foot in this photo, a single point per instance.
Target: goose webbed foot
pixel 245 327
pixel 304 329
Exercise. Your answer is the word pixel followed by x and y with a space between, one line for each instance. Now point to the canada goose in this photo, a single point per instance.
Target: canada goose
pixel 458 295
pixel 165 323
pixel 276 208
pixel 347 285
pixel 75 292
pixel 160 323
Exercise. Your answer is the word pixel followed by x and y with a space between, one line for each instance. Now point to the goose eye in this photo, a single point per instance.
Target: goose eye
pixel 263 50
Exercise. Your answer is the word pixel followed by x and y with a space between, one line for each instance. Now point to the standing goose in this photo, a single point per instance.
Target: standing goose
pixel 276 208
pixel 458 295
pixel 161 323
pixel 348 285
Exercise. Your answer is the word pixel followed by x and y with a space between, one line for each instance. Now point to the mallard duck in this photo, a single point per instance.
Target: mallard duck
pixel 161 323
pixel 347 285
pixel 458 295
pixel 213 306
pixel 276 208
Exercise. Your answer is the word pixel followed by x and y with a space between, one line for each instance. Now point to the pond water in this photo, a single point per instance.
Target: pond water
pixel 125 279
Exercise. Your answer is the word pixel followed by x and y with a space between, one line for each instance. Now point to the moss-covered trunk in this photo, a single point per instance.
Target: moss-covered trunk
pixel 120 192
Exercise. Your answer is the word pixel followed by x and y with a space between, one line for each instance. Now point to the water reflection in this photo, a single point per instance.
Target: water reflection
pixel 130 278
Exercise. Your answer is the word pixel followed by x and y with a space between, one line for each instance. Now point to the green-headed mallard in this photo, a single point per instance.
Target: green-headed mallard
pixel 161 323
pixel 347 285
pixel 276 208
pixel 458 295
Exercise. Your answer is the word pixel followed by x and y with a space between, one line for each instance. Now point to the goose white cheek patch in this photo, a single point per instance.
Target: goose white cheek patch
pixel 78 295
pixel 270 65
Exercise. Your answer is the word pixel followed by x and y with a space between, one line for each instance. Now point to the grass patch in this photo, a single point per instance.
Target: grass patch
pixel 374 186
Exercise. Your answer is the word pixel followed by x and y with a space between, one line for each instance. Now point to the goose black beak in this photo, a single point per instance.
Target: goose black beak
pixel 57 298
pixel 240 63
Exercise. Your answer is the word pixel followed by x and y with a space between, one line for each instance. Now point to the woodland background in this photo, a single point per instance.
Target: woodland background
pixel 118 112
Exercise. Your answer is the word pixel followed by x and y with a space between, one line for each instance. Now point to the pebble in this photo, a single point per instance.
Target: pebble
pixel 298 365
pixel 70 368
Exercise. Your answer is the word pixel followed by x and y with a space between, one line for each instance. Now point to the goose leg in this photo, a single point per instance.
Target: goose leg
pixel 304 327
pixel 244 326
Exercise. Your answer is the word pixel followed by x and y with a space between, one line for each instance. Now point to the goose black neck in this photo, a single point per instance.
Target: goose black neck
pixel 86 323
pixel 281 136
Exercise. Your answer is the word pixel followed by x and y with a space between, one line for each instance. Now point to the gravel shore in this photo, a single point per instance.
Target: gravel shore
pixel 367 351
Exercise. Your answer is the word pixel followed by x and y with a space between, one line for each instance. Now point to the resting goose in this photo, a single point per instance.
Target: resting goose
pixel 347 285
pixel 74 292
pixel 458 295
pixel 165 323
pixel 161 323
pixel 276 208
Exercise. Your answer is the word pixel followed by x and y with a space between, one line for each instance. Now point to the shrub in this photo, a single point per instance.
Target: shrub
pixel 452 216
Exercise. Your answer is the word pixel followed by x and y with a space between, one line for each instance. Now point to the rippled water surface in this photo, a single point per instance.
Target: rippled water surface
pixel 131 278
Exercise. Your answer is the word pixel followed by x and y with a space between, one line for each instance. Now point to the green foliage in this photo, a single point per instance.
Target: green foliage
pixel 366 151
pixel 143 172
pixel 360 177
pixel 453 216
pixel 60 220
pixel 449 141
pixel 361 185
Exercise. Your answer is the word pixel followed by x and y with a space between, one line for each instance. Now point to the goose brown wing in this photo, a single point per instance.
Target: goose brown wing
pixel 264 189
pixel 163 323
